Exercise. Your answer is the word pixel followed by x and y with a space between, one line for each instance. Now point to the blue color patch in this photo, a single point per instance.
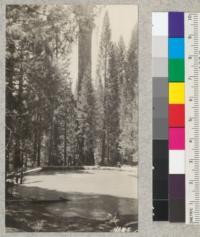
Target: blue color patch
pixel 176 47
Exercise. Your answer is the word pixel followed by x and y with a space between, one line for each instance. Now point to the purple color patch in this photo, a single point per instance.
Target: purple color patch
pixel 176 25
pixel 177 186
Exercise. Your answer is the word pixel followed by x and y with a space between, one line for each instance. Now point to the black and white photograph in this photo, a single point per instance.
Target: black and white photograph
pixel 71 144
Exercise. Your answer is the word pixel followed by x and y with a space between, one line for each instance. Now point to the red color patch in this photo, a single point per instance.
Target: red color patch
pixel 176 115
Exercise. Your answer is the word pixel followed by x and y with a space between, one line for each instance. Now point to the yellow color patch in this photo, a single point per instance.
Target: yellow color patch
pixel 176 93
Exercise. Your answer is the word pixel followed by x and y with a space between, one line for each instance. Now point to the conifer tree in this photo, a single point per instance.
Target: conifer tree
pixel 103 77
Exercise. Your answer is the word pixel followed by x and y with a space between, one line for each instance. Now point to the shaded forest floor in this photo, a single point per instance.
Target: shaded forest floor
pixel 94 200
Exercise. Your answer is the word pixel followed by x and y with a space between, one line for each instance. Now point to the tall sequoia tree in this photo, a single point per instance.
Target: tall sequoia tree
pixel 85 94
pixel 87 122
pixel 103 77
pixel 112 109
pixel 132 95
pixel 128 96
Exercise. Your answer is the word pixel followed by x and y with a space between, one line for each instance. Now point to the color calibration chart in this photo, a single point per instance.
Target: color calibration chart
pixel 176 116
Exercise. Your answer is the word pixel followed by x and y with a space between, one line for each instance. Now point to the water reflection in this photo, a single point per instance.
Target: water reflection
pixel 69 210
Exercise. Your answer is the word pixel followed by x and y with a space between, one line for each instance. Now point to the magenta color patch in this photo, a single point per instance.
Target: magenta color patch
pixel 176 138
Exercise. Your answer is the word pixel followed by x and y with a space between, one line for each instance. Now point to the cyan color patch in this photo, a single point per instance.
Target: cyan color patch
pixel 176 47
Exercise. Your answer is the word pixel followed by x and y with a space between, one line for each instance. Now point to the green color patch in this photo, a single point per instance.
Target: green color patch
pixel 176 70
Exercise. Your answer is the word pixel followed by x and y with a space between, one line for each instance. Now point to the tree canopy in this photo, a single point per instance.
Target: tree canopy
pixel 46 124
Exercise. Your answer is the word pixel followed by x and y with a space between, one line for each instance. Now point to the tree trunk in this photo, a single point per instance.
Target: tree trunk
pixel 39 140
pixel 17 155
pixel 50 148
pixel 35 147
pixel 65 143
pixel 9 109
pixel 103 145
pixel 38 150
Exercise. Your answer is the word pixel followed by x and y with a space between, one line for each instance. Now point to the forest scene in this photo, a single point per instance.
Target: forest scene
pixel 71 118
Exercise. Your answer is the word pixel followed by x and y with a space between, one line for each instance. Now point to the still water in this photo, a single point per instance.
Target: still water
pixel 93 200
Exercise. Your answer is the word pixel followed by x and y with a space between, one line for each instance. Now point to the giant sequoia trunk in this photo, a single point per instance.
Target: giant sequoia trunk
pixel 65 142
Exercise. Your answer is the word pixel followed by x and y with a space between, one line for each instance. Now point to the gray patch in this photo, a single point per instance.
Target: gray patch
pixel 160 107
pixel 160 129
pixel 159 67
pixel 160 47
pixel 160 87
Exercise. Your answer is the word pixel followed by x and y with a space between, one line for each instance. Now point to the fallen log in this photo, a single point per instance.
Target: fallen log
pixel 14 174
pixel 47 168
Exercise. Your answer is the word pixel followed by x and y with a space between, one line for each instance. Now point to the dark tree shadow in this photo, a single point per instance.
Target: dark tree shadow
pixel 80 213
